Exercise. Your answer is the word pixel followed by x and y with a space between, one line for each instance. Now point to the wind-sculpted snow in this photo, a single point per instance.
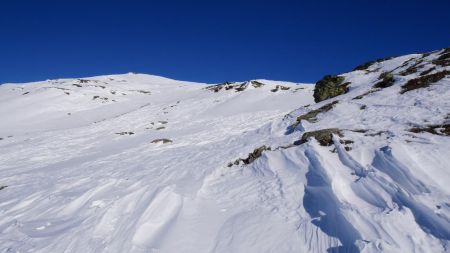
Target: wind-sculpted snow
pixel 138 163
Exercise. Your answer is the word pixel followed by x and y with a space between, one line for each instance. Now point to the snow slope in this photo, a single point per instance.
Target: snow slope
pixel 139 163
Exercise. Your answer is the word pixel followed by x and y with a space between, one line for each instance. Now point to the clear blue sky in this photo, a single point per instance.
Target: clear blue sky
pixel 212 41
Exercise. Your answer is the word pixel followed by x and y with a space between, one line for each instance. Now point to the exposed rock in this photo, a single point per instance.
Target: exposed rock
pixel 428 71
pixel 77 85
pixel 83 80
pixel 443 129
pixel 160 128
pixel 370 63
pixel 366 93
pixel 241 87
pixel 163 141
pixel 444 58
pixel 257 84
pixel 125 133
pixel 217 87
pixel 251 156
pixel 143 91
pixel 2 187
pixel 323 136
pixel 328 87
pixel 423 81
pixel 387 80
pixel 311 116
pixel 412 69
pixel 278 87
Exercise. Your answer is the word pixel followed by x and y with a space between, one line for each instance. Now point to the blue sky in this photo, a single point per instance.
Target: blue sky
pixel 212 41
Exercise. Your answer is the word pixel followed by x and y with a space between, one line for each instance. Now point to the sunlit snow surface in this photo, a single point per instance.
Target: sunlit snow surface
pixel 83 175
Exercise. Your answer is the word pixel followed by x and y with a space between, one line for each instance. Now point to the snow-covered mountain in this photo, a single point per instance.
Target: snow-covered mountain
pixel 139 163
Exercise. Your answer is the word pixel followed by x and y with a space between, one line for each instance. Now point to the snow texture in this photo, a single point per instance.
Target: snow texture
pixel 140 163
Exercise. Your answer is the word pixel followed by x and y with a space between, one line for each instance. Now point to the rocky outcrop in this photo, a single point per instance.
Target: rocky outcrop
pixel 443 129
pixel 444 58
pixel 330 86
pixel 424 81
pixel 162 141
pixel 386 80
pixel 311 116
pixel 323 136
pixel 125 133
pixel 370 63
pixel 251 156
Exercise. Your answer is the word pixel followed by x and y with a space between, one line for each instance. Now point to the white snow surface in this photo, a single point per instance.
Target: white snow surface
pixel 83 175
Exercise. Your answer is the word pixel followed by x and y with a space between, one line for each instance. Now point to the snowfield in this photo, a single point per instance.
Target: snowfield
pixel 140 163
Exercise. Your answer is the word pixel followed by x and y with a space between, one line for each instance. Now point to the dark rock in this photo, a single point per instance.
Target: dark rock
pixel 444 58
pixel 257 84
pixel 255 154
pixel 387 80
pixel 428 71
pixel 312 115
pixel 423 81
pixel 2 187
pixel 125 133
pixel 443 129
pixel 328 87
pixel 323 136
pixel 163 141
pixel 370 63
pixel 241 87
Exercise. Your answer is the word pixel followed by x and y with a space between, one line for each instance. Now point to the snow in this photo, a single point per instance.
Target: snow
pixel 83 175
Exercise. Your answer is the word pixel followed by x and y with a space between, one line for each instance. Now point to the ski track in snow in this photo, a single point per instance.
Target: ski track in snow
pixel 83 175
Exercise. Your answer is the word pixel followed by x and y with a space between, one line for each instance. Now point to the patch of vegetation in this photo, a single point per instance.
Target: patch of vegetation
pixel 328 87
pixel 387 80
pixel 163 141
pixel 366 65
pixel 443 129
pixel 323 136
pixel 423 81
pixel 251 156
